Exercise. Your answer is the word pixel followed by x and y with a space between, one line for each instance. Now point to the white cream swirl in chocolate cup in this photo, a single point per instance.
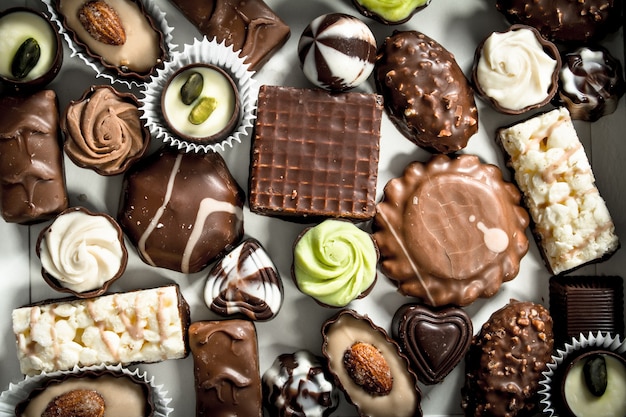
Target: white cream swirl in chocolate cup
pixel 516 70
pixel 82 252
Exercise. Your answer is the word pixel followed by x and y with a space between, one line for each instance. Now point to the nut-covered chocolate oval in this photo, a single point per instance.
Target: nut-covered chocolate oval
pixel 369 368
pixel 426 94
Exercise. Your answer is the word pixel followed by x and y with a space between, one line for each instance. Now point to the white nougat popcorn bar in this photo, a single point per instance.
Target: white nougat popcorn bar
pixel 572 224
pixel 137 326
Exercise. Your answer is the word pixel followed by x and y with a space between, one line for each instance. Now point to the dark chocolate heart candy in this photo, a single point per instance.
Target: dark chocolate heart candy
pixel 434 339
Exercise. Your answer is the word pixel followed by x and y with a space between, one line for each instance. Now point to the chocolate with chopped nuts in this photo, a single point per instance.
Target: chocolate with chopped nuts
pixel 504 364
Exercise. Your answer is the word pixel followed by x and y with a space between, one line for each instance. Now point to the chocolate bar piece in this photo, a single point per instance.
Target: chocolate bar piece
pixel 32 184
pixel 226 368
pixel 583 304
pixel 250 26
pixel 137 326
pixel 315 154
pixel 572 224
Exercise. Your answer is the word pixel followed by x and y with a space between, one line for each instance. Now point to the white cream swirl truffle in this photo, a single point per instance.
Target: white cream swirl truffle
pixel 516 70
pixel 82 252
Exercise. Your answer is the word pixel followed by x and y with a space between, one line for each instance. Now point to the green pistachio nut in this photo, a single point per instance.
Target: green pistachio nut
pixel 202 110
pixel 192 88
pixel 393 10
pixel 595 374
pixel 25 58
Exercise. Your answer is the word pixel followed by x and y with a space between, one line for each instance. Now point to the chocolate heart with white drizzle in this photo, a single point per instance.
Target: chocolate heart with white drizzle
pixel 434 339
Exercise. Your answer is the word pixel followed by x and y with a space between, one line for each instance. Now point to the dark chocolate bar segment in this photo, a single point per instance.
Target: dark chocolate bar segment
pixel 250 26
pixel 32 184
pixel 315 154
pixel 583 304
pixel 226 368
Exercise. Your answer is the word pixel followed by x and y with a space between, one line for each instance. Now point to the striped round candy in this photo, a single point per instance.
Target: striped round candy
pixel 337 51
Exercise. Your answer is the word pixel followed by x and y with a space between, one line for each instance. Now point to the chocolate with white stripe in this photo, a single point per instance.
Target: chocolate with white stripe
pixel 337 51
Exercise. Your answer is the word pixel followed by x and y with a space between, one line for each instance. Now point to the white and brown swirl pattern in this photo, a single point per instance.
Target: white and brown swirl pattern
pixel 103 131
pixel 337 51
pixel 245 282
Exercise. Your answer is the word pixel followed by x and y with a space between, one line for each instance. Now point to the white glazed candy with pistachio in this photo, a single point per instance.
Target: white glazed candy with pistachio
pixel 209 111
pixel 514 70
pixel 16 28
pixel 82 251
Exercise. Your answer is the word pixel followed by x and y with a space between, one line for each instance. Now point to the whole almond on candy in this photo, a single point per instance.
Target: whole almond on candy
pixel 102 22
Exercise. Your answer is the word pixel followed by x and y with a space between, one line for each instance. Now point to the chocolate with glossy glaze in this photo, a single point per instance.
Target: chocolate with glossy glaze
pixel 425 92
pixel 249 26
pixel 32 181
pixel 450 230
pixel 434 339
pixel 226 368
pixel 181 210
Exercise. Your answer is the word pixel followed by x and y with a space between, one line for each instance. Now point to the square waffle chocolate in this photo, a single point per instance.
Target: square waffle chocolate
pixel 583 304
pixel 315 154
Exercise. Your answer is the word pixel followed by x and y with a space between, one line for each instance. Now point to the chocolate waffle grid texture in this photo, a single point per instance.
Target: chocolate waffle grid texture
pixel 315 154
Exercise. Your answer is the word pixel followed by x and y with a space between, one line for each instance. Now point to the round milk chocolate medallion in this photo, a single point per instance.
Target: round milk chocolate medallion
pixel 434 339
pixel 450 230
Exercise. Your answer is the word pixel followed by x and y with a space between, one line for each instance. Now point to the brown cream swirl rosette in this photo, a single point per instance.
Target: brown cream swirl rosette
pixel 103 131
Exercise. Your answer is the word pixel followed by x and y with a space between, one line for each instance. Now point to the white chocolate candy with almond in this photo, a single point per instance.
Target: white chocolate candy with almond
pixel 137 326
pixel 572 222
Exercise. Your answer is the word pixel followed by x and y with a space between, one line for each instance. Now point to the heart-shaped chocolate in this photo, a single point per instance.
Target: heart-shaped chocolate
pixel 434 339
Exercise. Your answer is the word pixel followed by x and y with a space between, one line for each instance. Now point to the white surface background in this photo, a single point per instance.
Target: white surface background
pixel 457 25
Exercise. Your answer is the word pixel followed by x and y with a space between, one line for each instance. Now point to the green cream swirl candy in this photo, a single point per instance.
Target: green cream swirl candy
pixel 335 262
pixel 393 11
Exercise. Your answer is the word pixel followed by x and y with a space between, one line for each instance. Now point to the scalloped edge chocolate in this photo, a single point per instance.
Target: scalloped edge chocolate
pixel 548 47
pixel 92 374
pixel 56 284
pixel 363 294
pixel 164 54
pixel 383 333
pixel 127 97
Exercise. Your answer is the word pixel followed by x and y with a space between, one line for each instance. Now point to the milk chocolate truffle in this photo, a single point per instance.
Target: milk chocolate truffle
pixel 181 210
pixel 450 230
pixel 226 368
pixel 299 384
pixel 591 83
pixel 130 29
pixel 434 339
pixel 32 182
pixel 565 20
pixel 516 70
pixel 337 51
pixel 425 92
pixel 82 253
pixel 249 26
pixel 103 131
pixel 245 282
pixel 506 359
pixel 369 368
pixel 390 12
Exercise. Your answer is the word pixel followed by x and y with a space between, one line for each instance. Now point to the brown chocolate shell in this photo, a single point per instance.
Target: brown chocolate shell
pixel 404 398
pixel 548 47
pixel 56 284
pixel 92 148
pixel 121 71
pixel 93 375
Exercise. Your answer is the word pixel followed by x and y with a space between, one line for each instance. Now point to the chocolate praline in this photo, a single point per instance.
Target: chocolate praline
pixel 500 80
pixel 81 252
pixel 28 84
pixel 377 14
pixel 107 134
pixel 221 120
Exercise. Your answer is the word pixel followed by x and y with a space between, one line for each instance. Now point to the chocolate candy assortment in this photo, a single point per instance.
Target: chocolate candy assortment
pixel 465 275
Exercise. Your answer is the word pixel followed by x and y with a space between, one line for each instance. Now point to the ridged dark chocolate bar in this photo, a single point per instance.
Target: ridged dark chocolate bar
pixel 583 304
pixel 315 154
